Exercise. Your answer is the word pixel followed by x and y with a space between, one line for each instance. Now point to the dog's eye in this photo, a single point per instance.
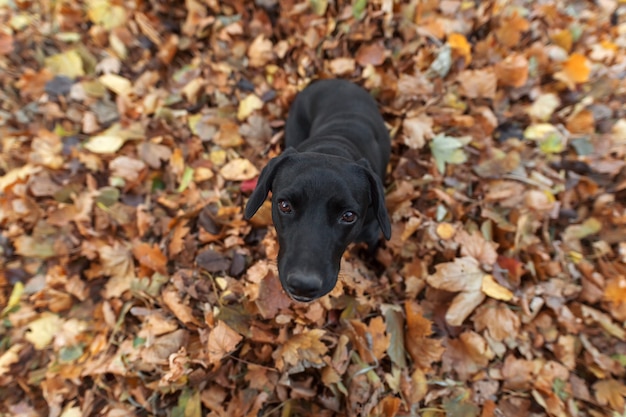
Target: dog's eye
pixel 348 217
pixel 284 206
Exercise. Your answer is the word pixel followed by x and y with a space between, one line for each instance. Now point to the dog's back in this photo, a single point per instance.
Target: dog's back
pixel 340 110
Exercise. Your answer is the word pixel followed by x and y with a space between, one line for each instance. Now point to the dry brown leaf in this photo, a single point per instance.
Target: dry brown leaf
pixel 181 309
pixel 150 256
pixel 501 322
pixel 610 392
pixel 260 51
pixel 513 71
pixel 476 246
pixel 222 341
pixel 416 130
pixel 306 349
pixel 478 83
pixel 462 274
pixel 239 169
pixel 423 350
pixel 371 54
pixel 511 29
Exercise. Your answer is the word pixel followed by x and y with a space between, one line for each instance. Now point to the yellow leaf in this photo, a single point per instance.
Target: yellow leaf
pixel 248 105
pixel 543 108
pixel 105 14
pixel 460 46
pixel 494 290
pixel 239 169
pixel 104 143
pixel 445 231
pixel 14 299
pixel 119 85
pixel 67 63
pixel 41 331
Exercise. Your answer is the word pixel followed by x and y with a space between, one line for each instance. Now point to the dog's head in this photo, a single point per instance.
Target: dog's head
pixel 319 205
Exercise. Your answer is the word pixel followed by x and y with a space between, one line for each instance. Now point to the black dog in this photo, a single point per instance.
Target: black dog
pixel 327 185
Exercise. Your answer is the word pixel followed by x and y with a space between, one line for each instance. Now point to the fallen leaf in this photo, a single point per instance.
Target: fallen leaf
pixel 239 169
pixel 305 347
pixel 544 106
pixel 513 71
pixel 342 66
pixel 610 392
pixel 416 130
pixel 150 256
pixel 67 63
pixel 260 52
pixel 576 69
pixel 222 341
pixel 423 349
pixel 371 54
pixel 42 330
pixel 248 105
pixel 447 149
pixel 462 274
pixel 481 83
pixel 460 47
pixel 494 290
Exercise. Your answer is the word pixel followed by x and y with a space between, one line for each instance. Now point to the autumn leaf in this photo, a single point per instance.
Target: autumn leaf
pixel 610 392
pixel 305 348
pixel 42 330
pixel 463 274
pixel 460 47
pixel 248 105
pixel 575 70
pixel 67 63
pixel 239 169
pixel 447 149
pixel 416 130
pixel 222 341
pixel 150 256
pixel 423 350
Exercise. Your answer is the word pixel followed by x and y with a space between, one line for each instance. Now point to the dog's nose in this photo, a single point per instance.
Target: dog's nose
pixel 303 287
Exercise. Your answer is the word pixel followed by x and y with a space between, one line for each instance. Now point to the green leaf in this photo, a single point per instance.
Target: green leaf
pixel 358 8
pixel 446 149
pixel 319 6
pixel 186 180
pixel 71 353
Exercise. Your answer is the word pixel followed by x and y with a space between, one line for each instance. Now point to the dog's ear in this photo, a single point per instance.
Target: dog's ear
pixel 378 198
pixel 264 183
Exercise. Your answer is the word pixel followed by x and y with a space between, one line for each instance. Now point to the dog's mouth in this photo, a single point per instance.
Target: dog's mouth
pixel 302 299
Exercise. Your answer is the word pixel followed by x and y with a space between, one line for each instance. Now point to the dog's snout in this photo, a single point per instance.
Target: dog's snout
pixel 303 287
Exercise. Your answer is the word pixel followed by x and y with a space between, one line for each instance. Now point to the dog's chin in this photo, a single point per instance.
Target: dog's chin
pixel 302 299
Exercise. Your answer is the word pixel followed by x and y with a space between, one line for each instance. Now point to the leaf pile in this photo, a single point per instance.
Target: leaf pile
pixel 131 134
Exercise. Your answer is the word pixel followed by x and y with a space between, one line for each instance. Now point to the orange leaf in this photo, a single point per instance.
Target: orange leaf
pixel 460 47
pixel 577 68
pixel 151 257
pixel 422 349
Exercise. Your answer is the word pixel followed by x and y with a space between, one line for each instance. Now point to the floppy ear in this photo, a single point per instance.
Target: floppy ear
pixel 378 198
pixel 264 184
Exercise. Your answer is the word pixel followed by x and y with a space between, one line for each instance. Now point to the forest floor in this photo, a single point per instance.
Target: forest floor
pixel 132 133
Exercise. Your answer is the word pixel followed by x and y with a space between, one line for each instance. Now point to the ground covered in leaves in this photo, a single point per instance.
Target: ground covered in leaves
pixel 132 132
